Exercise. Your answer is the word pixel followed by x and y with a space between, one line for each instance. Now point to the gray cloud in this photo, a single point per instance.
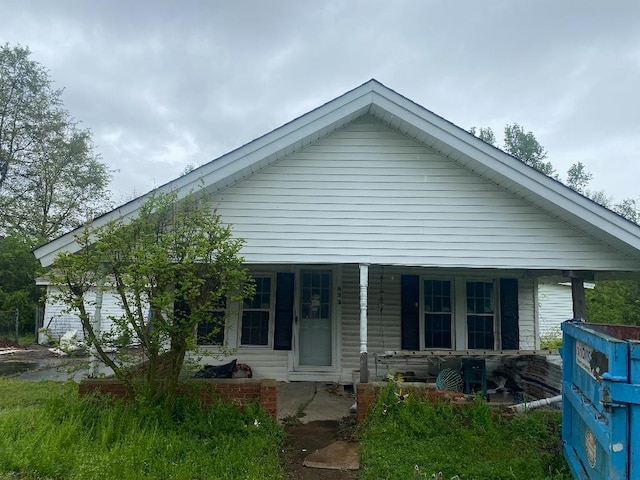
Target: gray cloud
pixel 165 83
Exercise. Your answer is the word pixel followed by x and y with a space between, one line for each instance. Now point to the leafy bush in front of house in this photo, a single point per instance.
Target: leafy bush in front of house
pixel 551 341
pixel 59 435
pixel 406 437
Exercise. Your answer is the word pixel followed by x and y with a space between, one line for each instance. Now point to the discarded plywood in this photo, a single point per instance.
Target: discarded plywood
pixel 339 455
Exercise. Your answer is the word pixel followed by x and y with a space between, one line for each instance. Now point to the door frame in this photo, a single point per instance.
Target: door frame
pixel 336 312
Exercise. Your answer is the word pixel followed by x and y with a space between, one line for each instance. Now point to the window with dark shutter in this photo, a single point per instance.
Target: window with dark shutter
pixel 509 316
pixel 410 312
pixel 284 311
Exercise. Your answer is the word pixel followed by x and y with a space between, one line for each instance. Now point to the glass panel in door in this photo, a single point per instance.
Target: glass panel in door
pixel 315 319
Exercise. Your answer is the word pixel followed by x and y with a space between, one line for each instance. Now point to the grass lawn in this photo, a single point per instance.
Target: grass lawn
pixel 412 439
pixel 47 431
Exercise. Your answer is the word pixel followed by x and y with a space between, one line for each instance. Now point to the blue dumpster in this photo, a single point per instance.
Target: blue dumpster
pixel 600 400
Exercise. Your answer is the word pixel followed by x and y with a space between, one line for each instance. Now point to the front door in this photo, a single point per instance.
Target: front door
pixel 315 329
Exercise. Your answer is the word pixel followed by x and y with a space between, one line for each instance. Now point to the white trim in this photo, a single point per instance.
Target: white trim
pixel 364 287
pixel 295 366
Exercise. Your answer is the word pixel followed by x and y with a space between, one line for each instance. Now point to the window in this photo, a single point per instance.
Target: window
pixel 437 313
pixel 480 315
pixel 211 332
pixel 256 314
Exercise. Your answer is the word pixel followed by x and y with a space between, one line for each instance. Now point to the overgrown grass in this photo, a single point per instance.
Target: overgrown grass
pixel 26 339
pixel 551 341
pixel 412 438
pixel 47 431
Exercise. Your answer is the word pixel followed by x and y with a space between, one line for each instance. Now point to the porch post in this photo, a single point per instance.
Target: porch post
pixel 579 300
pixel 364 285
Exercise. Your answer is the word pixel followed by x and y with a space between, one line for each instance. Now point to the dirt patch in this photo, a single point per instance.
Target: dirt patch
pixel 15 360
pixel 305 439
pixel 6 342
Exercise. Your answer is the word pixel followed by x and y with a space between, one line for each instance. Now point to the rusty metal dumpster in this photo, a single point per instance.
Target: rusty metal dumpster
pixel 601 400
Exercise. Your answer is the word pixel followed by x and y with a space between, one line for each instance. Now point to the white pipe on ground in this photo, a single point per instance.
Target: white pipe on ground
pixel 521 407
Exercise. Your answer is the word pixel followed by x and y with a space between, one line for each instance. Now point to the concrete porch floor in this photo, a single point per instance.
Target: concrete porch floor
pixel 311 401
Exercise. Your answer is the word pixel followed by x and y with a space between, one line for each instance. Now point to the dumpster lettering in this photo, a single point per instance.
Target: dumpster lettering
pixel 593 362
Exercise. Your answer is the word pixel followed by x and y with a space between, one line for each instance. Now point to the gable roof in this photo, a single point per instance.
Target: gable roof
pixel 414 121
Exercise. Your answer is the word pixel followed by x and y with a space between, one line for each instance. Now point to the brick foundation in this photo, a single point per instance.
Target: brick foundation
pixel 238 391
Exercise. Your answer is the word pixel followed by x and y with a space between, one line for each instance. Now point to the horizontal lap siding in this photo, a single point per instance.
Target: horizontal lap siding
pixel 556 306
pixel 369 194
pixel 59 320
pixel 527 313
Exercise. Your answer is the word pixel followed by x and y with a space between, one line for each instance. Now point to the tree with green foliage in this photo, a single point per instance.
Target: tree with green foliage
pixel 50 178
pixel 485 134
pixel 614 301
pixel 522 145
pixel 578 178
pixel 171 267
pixel 17 279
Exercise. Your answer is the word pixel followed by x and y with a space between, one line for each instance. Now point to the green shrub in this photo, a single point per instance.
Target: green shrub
pixel 551 341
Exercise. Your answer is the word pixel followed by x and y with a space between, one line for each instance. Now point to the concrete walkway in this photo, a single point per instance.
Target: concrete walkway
pixel 307 402
pixel 310 401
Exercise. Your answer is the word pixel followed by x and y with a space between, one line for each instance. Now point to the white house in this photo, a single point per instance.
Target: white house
pixel 555 304
pixel 374 225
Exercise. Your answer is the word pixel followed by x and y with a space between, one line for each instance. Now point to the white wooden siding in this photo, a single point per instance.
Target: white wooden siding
pixel 527 314
pixel 369 194
pixel 58 321
pixel 556 306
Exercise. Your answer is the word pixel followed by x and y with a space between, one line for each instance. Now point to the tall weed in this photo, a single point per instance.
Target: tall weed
pixel 89 438
pixel 400 439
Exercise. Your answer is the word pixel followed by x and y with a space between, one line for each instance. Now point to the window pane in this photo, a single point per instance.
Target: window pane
pixel 262 297
pixel 211 332
pixel 480 318
pixel 479 297
pixel 437 318
pixel 480 328
pixel 255 314
pixel 255 328
pixel 437 330
pixel 316 294
pixel 437 295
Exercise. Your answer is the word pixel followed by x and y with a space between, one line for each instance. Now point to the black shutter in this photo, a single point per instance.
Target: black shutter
pixel 284 311
pixel 410 312
pixel 509 314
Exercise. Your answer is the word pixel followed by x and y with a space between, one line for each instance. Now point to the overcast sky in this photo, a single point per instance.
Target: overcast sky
pixel 164 84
